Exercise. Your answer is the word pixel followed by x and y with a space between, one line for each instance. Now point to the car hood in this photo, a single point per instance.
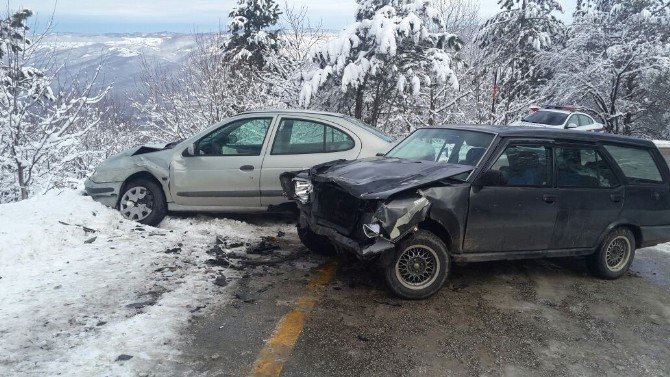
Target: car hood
pixel 158 153
pixel 381 177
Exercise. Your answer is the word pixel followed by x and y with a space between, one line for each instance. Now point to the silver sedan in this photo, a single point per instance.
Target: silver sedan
pixel 233 166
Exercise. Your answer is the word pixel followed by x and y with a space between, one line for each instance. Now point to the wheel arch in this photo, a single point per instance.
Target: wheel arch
pixel 637 232
pixel 143 174
pixel 440 231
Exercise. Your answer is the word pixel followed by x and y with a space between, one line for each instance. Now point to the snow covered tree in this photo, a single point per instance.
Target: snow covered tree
pixel 616 52
pixel 251 42
pixel 40 128
pixel 511 42
pixel 392 49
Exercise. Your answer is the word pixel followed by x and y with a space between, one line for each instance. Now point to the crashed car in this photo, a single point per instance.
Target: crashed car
pixel 483 193
pixel 232 166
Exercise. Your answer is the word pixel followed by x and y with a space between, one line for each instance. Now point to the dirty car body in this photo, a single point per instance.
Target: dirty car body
pixel 232 166
pixel 492 193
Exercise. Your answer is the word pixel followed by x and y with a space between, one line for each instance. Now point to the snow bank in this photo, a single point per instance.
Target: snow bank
pixel 80 285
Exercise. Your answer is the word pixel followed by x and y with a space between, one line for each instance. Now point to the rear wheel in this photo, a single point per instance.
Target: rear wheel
pixel 143 201
pixel 614 255
pixel 419 266
pixel 315 243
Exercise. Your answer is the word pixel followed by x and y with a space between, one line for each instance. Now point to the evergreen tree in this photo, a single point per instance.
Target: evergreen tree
pixel 511 42
pixel 251 42
pixel 392 49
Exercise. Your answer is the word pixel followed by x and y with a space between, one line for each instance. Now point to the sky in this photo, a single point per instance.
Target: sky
pixel 125 16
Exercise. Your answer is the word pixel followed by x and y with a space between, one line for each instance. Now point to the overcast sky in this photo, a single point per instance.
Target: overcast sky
pixel 122 16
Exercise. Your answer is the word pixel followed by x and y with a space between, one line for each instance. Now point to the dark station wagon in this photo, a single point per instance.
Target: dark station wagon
pixel 482 193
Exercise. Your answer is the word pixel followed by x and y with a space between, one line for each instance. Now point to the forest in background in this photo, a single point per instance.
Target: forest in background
pixel 399 65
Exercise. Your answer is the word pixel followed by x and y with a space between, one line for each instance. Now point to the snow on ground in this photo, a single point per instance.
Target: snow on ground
pixel 74 299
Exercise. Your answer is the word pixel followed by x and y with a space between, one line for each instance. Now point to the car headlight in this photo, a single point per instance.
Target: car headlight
pixel 302 189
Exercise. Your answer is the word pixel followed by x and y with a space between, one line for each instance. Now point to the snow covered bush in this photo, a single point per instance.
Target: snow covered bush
pixel 392 49
pixel 40 128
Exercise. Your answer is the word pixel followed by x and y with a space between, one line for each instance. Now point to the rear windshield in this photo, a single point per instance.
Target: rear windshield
pixel 370 129
pixel 546 117
pixel 637 164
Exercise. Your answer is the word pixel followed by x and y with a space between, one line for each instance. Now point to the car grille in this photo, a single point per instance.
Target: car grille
pixel 335 207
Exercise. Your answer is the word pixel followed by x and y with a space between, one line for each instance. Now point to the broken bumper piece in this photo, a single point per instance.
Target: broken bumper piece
pixel 380 245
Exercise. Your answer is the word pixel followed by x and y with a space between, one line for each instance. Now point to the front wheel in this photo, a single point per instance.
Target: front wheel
pixel 143 201
pixel 419 266
pixel 614 255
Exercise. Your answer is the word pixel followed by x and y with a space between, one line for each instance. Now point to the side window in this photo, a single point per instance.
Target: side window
pixel 242 137
pixel 582 167
pixel 297 136
pixel 572 121
pixel 637 164
pixel 585 120
pixel 524 165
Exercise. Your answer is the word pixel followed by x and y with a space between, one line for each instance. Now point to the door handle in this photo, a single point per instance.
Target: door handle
pixel 548 198
pixel 247 167
pixel 616 198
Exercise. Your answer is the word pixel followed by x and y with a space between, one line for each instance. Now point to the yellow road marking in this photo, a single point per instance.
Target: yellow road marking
pixel 272 357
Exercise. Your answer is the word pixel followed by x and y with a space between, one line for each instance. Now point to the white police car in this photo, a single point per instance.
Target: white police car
pixel 562 117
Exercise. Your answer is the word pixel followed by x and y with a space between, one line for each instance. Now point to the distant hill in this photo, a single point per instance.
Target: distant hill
pixel 120 54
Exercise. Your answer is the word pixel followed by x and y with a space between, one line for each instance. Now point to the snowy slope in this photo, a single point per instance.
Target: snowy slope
pixel 74 299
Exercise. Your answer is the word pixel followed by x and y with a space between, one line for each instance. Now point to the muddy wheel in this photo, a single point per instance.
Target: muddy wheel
pixel 614 255
pixel 314 242
pixel 143 201
pixel 419 266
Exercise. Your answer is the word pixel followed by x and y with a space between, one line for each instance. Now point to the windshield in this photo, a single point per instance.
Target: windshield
pixel 443 144
pixel 550 118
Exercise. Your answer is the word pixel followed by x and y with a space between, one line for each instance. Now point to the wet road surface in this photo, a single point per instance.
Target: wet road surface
pixel 535 317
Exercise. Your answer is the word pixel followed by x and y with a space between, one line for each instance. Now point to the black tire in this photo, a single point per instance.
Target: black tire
pixel 317 244
pixel 424 248
pixel 614 255
pixel 158 206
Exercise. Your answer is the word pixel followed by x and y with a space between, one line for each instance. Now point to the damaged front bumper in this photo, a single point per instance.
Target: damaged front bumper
pixel 378 232
pixel 106 193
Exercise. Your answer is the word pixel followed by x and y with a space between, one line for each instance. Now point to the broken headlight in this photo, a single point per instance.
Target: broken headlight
pixel 302 188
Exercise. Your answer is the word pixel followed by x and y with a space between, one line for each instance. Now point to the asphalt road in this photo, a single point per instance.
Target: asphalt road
pixel 536 317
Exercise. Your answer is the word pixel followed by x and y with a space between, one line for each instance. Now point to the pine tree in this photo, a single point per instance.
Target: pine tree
pixel 251 42
pixel 392 49
pixel 511 41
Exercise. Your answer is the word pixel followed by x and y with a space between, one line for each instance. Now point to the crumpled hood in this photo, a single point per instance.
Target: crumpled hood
pixel 381 177
pixel 128 157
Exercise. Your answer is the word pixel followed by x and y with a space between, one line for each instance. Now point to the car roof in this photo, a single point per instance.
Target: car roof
pixel 295 111
pixel 551 133
pixel 557 111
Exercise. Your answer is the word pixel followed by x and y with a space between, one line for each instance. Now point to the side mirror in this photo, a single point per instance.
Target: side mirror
pixel 380 154
pixel 571 125
pixel 491 178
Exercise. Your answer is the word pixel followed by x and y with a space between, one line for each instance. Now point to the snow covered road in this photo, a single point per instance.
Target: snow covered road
pixel 81 287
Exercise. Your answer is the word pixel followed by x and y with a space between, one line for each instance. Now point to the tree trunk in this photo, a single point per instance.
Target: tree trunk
pixel 358 110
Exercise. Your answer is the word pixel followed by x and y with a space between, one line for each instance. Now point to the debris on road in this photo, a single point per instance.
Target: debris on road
pixel 124 357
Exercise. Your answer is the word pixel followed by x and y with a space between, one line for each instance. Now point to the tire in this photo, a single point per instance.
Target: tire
pixel 614 255
pixel 143 201
pixel 417 282
pixel 317 244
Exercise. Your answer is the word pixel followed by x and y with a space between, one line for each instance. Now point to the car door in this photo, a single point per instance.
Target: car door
pixel 647 191
pixel 590 196
pixel 300 143
pixel 225 167
pixel 519 211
